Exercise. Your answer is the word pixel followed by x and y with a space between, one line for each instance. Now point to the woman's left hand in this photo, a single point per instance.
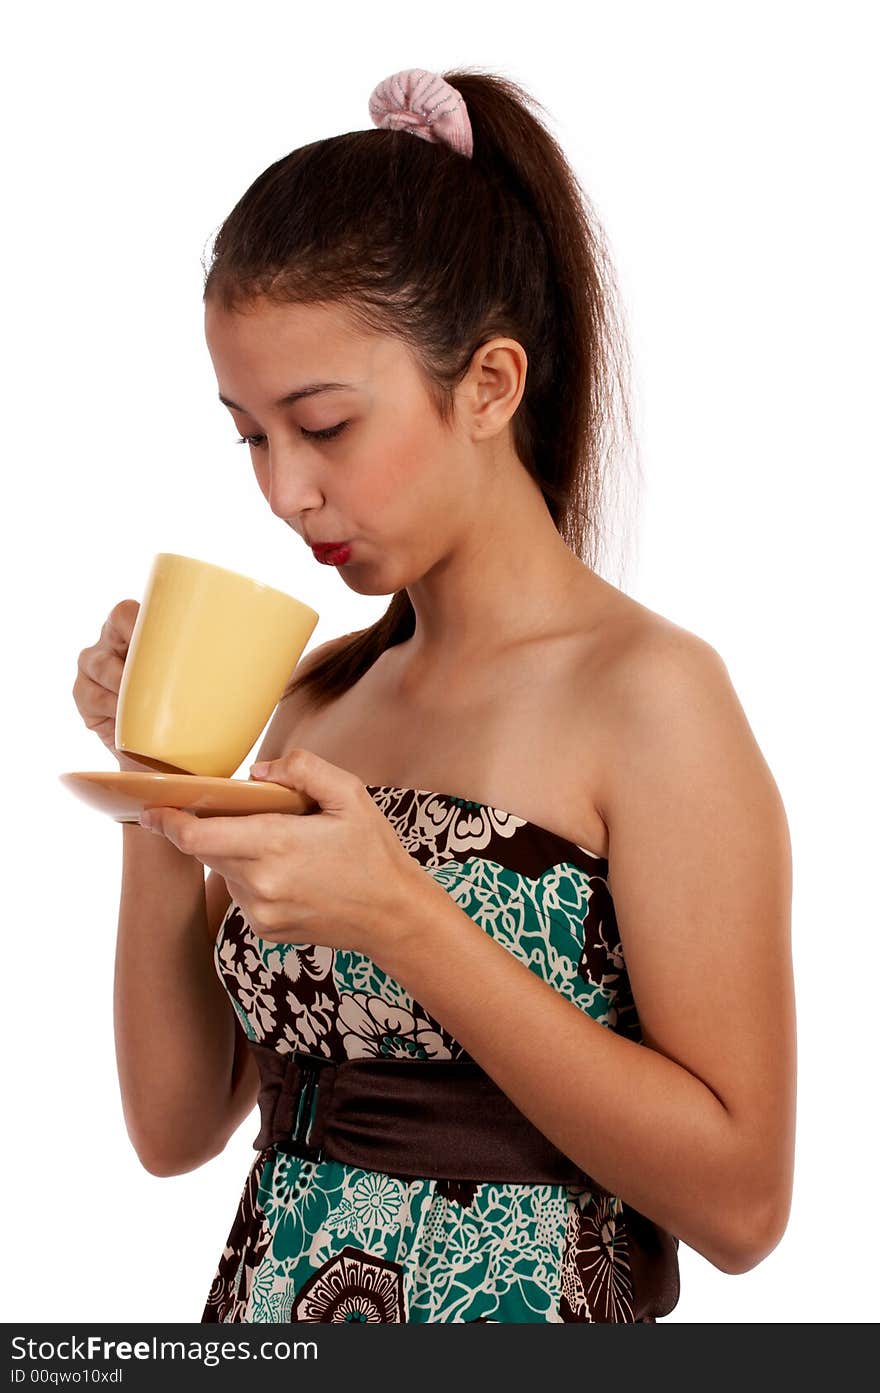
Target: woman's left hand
pixel 338 877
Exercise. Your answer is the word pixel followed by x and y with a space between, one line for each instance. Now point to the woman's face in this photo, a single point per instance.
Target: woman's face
pixel 391 479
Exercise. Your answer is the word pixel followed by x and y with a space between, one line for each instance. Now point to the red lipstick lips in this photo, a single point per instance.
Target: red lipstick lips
pixel 332 553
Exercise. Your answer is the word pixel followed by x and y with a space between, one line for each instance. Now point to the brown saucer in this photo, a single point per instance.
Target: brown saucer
pixel 125 793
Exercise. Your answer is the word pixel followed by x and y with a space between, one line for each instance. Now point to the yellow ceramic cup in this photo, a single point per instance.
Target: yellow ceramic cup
pixel 209 658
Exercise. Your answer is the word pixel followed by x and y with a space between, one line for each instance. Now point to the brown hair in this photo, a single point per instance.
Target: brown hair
pixel 446 252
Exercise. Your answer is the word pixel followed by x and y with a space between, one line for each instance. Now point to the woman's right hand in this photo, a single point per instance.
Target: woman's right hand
pixel 99 675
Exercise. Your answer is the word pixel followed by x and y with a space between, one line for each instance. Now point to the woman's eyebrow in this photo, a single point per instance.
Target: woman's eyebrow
pixel 309 390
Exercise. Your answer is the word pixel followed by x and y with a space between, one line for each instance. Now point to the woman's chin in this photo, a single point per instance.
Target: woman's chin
pixel 365 579
pixel 362 583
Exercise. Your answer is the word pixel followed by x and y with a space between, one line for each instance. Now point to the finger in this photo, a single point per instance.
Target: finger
pixel 98 698
pixel 184 830
pixel 181 829
pixel 101 667
pixel 209 839
pixel 329 785
pixel 118 627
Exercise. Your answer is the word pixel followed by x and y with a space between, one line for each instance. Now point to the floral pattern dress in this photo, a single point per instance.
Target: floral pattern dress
pixel 322 1241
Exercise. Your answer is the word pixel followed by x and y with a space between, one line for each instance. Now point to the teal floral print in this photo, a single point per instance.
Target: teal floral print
pixel 322 1241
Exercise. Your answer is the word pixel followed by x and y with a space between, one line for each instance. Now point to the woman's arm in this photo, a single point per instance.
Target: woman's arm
pixel 694 1128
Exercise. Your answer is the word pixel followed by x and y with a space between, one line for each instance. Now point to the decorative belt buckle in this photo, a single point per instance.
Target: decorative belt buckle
pixel 296 1144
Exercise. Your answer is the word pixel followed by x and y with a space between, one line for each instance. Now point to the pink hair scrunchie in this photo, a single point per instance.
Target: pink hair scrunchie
pixel 424 104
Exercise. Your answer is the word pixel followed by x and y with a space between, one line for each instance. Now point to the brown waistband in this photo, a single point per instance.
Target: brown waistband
pixel 419 1118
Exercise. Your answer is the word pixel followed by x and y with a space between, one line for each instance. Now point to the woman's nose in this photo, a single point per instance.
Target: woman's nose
pixel 291 485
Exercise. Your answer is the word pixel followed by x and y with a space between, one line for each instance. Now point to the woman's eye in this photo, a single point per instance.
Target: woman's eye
pixel 327 434
pixel 258 441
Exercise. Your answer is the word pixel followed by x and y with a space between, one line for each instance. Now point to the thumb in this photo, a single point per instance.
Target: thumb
pixel 328 784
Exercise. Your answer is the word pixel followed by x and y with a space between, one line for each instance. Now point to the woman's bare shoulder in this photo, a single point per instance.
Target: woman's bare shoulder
pixel 296 704
pixel 630 640
pixel 646 676
pixel 310 661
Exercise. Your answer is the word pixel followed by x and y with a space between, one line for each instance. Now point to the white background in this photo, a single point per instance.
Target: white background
pixel 729 150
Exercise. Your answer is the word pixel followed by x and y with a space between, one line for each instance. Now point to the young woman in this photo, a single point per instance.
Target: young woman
pixel 517 1000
